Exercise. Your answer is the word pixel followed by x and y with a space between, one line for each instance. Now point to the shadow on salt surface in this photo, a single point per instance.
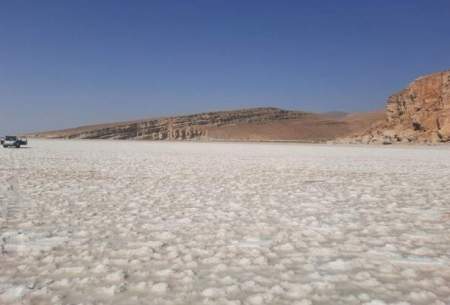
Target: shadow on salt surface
pixel 26 242
pixel 408 260
pixel 420 261
pixel 313 186
pixel 252 243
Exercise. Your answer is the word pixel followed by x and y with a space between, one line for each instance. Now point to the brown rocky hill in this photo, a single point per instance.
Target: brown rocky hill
pixel 255 124
pixel 418 114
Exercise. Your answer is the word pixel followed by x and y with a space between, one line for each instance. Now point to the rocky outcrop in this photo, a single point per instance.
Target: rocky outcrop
pixel 418 114
pixel 255 124
pixel 185 127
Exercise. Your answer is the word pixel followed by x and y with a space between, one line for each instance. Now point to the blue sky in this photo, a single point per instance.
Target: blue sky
pixel 68 63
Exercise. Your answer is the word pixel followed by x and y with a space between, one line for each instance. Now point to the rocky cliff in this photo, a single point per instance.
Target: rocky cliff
pixel 255 124
pixel 184 127
pixel 418 114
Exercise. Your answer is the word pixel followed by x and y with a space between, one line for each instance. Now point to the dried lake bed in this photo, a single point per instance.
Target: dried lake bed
pixel 131 222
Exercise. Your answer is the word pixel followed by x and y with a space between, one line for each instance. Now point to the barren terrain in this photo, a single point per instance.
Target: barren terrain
pixel 252 124
pixel 134 222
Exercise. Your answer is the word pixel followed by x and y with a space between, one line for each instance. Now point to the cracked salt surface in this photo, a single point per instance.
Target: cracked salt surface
pixel 121 222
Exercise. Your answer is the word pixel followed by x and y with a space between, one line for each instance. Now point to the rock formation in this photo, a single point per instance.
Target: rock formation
pixel 175 128
pixel 418 114
pixel 255 124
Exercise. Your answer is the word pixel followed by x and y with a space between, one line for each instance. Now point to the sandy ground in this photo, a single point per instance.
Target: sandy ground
pixel 117 222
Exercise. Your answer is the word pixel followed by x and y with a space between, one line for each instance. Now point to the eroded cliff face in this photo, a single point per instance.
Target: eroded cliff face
pixel 254 124
pixel 176 128
pixel 422 111
pixel 419 114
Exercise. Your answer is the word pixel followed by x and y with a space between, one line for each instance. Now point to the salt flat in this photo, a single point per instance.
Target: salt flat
pixel 123 222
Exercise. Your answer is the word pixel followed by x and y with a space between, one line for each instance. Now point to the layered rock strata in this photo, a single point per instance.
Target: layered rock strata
pixel 176 128
pixel 418 114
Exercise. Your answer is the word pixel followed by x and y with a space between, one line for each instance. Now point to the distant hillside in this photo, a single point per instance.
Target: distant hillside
pixel 254 124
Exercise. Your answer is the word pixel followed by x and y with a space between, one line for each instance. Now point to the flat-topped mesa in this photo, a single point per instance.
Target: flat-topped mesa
pixel 418 114
pixel 183 127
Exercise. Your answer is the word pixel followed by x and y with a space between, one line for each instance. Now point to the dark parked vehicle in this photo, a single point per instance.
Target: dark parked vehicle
pixel 13 141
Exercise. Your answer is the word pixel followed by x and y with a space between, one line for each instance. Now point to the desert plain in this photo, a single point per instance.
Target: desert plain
pixel 135 222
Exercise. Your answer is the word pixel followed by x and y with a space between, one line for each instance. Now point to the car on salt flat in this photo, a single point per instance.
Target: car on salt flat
pixel 13 141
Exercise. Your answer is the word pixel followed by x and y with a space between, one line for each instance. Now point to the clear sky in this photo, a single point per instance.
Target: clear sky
pixel 65 63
